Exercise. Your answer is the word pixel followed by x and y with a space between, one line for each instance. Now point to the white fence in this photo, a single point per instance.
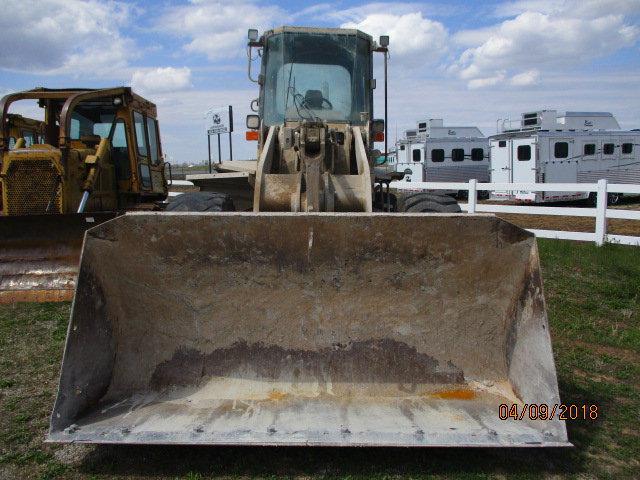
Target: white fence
pixel 600 212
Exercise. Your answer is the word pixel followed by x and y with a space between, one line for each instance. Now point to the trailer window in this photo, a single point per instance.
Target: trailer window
pixel 502 143
pixel 589 148
pixel 477 154
pixel 627 148
pixel 401 147
pixel 561 150
pixel 457 155
pixel 416 155
pixel 524 152
pixel 437 155
pixel 607 148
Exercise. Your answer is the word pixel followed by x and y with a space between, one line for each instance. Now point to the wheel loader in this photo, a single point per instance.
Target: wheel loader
pixel 316 317
pixel 97 153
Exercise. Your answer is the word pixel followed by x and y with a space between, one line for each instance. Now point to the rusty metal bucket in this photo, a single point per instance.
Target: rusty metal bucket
pixel 40 254
pixel 307 329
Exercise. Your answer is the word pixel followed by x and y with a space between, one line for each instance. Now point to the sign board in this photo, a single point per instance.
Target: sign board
pixel 219 120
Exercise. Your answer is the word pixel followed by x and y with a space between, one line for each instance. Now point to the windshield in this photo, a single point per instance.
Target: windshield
pixel 316 76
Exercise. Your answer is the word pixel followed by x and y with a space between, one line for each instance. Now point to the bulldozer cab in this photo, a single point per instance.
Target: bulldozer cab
pixel 29 129
pixel 52 177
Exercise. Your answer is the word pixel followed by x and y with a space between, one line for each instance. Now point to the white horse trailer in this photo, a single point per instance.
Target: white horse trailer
pixel 577 147
pixel 435 153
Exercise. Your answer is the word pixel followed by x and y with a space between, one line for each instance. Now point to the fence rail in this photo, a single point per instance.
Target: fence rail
pixel 601 213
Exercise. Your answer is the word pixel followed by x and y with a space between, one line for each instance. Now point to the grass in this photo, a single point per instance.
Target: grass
pixel 593 297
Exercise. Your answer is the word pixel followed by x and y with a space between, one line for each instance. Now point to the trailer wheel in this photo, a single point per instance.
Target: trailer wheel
pixel 430 202
pixel 201 202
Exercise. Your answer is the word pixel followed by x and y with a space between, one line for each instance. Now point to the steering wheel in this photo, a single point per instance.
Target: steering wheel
pixel 324 100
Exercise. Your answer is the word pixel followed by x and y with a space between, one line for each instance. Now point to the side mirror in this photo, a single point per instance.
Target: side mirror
pixel 384 40
pixel 252 35
pixel 253 122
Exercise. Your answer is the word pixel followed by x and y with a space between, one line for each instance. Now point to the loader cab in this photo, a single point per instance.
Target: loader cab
pixel 316 75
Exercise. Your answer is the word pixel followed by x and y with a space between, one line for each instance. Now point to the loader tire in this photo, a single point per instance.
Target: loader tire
pixel 202 202
pixel 430 202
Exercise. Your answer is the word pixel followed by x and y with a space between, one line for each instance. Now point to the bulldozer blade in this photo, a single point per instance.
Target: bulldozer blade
pixel 308 329
pixel 40 254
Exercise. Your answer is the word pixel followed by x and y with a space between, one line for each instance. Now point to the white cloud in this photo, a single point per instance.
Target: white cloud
pixel 486 81
pixel 559 35
pixel 218 29
pixel 577 8
pixel 530 77
pixel 409 33
pixel 163 79
pixel 64 36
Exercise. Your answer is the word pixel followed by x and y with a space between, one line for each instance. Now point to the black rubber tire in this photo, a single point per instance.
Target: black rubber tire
pixel 201 202
pixel 421 196
pixel 428 206
pixel 429 202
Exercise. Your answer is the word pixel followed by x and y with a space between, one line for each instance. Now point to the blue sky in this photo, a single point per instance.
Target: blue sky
pixel 467 62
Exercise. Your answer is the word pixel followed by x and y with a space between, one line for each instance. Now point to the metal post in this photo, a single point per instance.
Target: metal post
pixel 601 213
pixel 386 134
pixel 219 151
pixel 230 130
pixel 472 197
pixel 209 149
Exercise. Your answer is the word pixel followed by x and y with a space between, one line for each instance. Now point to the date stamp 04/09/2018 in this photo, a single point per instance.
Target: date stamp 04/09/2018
pixel 542 411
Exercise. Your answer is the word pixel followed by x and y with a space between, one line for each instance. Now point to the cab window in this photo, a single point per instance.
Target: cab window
pixel 416 155
pixel 152 133
pixel 141 138
pixel 120 150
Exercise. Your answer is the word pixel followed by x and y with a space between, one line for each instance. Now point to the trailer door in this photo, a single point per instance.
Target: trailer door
pixel 524 161
pixel 500 165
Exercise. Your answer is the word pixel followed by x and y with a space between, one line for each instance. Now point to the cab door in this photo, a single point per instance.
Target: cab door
pixel 149 155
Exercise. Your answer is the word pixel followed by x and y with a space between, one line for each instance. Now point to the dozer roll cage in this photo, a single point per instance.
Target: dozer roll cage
pixel 50 99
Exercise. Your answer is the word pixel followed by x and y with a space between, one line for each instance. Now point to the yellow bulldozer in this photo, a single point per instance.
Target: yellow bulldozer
pixel 97 153
pixel 317 317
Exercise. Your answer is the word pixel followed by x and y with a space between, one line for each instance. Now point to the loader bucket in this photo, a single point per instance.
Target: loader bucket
pixel 40 254
pixel 307 329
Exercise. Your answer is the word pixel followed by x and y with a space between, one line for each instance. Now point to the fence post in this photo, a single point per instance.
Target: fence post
pixel 472 197
pixel 601 212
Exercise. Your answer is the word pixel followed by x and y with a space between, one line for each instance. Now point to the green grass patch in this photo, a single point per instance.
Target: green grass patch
pixel 592 295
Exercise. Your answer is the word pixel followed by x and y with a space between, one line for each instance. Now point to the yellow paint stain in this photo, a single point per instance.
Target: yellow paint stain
pixel 277 395
pixel 457 394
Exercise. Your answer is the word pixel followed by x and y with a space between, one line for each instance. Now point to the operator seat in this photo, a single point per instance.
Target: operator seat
pixel 313 99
